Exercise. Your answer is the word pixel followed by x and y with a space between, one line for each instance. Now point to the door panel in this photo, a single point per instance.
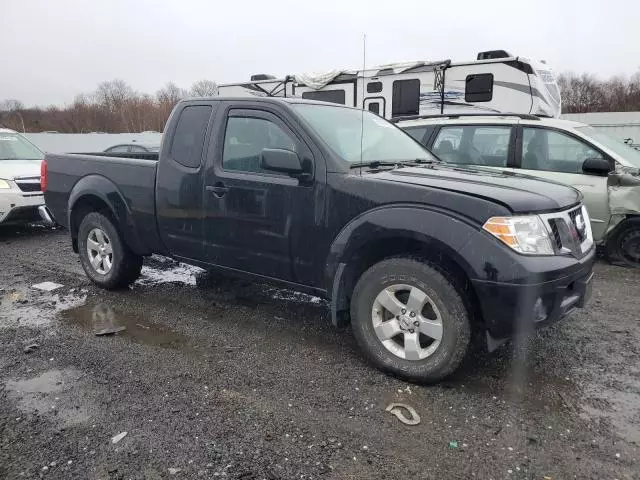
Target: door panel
pixel 557 156
pixel 251 213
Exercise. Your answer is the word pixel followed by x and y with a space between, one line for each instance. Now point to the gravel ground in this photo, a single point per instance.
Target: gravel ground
pixel 218 378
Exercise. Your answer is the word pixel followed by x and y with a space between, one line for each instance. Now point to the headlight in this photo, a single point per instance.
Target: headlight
pixel 526 234
pixel 4 184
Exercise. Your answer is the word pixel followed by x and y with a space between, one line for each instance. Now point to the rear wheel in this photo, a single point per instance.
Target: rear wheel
pixel 106 260
pixel 410 320
pixel 624 246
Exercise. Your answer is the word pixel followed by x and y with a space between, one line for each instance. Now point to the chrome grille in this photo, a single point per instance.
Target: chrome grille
pixel 570 231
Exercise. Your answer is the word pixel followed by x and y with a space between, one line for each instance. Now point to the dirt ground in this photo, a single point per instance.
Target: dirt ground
pixel 217 378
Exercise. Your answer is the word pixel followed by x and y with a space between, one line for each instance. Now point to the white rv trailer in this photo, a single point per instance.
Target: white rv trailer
pixel 495 82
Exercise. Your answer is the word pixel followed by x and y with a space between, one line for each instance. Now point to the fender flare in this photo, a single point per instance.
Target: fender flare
pixel 445 230
pixel 104 189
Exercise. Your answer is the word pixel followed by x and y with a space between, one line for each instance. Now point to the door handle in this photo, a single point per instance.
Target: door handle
pixel 218 189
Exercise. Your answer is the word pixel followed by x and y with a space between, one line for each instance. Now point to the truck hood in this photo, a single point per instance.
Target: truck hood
pixel 10 169
pixel 519 193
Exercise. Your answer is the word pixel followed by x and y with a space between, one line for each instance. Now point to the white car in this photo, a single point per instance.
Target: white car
pixel 20 194
pixel 604 169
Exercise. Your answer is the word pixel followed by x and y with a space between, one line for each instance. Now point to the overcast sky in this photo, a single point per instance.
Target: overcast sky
pixel 55 49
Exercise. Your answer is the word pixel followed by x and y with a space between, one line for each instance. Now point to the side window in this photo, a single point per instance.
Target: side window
pixel 244 139
pixel 474 145
pixel 333 96
pixel 188 139
pixel 374 87
pixel 406 97
pixel 417 133
pixel 544 149
pixel 479 88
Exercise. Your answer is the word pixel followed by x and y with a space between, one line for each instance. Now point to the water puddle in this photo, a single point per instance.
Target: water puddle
pixel 101 318
pixel 56 394
pixel 25 307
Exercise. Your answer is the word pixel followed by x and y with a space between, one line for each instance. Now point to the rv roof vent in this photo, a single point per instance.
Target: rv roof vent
pixel 261 76
pixel 491 54
pixel 385 71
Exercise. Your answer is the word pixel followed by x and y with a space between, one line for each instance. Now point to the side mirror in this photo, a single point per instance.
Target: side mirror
pixel 596 166
pixel 280 160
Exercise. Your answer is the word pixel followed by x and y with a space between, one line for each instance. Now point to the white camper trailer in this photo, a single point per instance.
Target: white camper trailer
pixel 495 82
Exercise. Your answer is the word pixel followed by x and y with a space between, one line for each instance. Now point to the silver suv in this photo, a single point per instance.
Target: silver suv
pixel 604 169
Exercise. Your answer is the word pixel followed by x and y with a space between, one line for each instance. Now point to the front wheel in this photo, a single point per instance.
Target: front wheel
pixel 410 320
pixel 624 245
pixel 106 260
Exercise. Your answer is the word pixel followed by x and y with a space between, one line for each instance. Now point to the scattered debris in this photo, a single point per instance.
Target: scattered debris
pixel 173 471
pixel 394 409
pixel 115 439
pixel 47 286
pixel 31 348
pixel 453 444
pixel 110 330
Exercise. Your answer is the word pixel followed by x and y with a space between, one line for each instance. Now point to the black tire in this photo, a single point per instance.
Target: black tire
pixel 456 328
pixel 624 244
pixel 126 265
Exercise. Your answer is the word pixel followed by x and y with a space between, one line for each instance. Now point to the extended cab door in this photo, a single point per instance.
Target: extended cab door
pixel 259 221
pixel 179 179
pixel 556 155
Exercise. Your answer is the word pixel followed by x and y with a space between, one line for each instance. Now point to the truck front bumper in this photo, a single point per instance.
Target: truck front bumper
pixel 519 307
pixel 19 207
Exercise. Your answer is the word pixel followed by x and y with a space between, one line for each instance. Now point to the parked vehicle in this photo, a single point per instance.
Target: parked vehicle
pixel 496 82
pixel 20 195
pixel 604 169
pixel 419 254
pixel 133 148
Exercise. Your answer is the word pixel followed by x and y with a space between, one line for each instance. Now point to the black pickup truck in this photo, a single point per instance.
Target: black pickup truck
pixel 333 201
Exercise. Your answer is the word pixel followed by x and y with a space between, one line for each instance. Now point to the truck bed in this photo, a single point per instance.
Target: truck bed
pixel 128 182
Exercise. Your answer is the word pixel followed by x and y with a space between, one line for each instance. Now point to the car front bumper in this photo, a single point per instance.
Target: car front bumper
pixel 527 303
pixel 19 207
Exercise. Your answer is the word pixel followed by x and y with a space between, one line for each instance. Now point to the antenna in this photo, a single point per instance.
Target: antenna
pixel 364 67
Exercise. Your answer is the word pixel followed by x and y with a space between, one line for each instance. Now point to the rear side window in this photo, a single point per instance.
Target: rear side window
pixel 333 96
pixel 474 145
pixel 188 139
pixel 406 97
pixel 479 88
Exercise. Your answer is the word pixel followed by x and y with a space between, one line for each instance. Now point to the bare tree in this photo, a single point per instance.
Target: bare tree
pixel 204 88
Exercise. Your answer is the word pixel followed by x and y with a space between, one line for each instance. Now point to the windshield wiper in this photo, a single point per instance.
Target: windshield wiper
pixel 375 164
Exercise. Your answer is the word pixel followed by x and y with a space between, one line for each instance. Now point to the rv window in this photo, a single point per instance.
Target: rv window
pixel 374 87
pixel 188 139
pixel 333 96
pixel 479 88
pixel 375 108
pixel 406 97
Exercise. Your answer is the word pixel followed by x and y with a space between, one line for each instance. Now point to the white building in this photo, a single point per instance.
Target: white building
pixel 624 126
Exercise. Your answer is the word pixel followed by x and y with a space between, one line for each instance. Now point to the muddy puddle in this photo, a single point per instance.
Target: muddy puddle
pixel 26 307
pixel 102 319
pixel 59 395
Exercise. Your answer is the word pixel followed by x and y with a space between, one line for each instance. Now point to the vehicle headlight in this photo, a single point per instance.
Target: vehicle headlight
pixel 4 184
pixel 526 234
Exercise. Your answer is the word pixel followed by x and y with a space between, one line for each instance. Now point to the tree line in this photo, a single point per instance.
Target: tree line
pixel 115 107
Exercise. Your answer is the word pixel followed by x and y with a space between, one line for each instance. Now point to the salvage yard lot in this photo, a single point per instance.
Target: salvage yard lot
pixel 219 378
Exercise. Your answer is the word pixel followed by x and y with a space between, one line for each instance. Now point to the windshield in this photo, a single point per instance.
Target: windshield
pixel 341 128
pixel 16 147
pixel 630 155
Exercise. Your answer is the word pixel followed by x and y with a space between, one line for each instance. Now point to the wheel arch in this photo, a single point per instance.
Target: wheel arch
pixel 436 238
